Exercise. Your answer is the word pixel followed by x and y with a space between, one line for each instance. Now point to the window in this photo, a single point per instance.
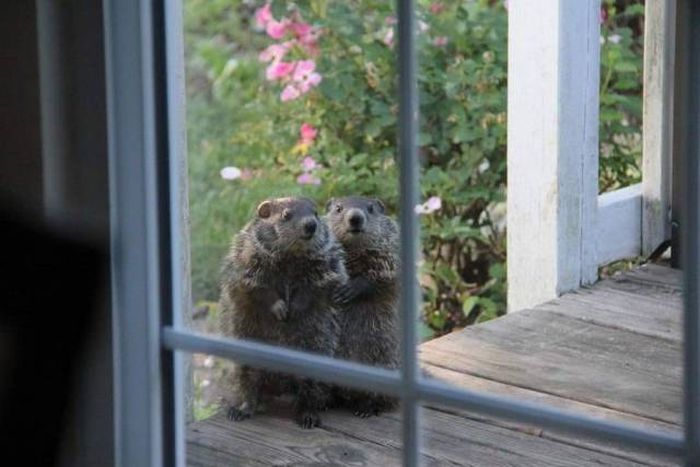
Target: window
pixel 146 124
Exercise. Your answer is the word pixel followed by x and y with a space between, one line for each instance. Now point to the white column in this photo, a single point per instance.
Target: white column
pixel 659 52
pixel 553 88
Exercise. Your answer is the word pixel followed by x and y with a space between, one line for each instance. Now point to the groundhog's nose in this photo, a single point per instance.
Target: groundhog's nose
pixel 356 219
pixel 310 226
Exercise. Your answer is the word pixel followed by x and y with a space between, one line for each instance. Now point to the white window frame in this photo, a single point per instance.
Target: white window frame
pixel 146 128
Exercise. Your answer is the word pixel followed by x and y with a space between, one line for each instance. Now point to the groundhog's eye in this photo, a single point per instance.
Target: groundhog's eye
pixel 286 215
pixel 370 209
pixel 338 208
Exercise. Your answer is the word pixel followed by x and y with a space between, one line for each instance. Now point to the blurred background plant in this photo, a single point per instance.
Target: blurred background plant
pixel 299 98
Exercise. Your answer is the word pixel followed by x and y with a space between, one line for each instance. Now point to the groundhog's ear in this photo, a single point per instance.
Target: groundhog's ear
pixel 329 204
pixel 381 206
pixel 264 209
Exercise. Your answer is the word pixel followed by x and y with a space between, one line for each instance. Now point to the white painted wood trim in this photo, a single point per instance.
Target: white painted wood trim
pixel 619 233
pixel 553 80
pixel 659 53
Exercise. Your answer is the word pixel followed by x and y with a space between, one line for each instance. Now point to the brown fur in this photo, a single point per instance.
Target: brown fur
pixel 276 288
pixel 368 303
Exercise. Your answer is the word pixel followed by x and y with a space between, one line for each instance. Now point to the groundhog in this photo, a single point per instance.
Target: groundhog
pixel 368 302
pixel 277 285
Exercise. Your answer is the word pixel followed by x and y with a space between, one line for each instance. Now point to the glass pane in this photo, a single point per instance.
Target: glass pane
pixel 460 437
pixel 292 99
pixel 272 435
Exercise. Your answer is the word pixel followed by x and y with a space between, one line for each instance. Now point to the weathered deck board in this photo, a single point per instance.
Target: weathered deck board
pixel 612 350
pixel 492 387
pixel 559 355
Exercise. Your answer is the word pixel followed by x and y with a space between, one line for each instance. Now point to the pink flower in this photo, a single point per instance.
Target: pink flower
pixel 303 79
pixel 307 38
pixel 603 14
pixel 274 53
pixel 304 69
pixel 390 20
pixel 263 15
pixel 440 41
pixel 305 75
pixel 290 92
pixel 388 38
pixel 308 134
pixel 308 179
pixel 277 29
pixel 279 70
pixel 433 204
pixel 308 164
pixel 437 7
pixel 301 30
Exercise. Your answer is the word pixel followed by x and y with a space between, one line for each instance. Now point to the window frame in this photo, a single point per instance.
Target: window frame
pixel 146 147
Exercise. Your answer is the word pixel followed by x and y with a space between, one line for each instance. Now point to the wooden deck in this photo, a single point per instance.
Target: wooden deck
pixel 612 350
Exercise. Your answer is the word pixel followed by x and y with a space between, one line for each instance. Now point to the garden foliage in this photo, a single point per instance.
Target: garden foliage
pixel 300 98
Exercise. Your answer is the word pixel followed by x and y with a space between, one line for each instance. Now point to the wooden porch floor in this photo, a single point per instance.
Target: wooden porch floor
pixel 612 350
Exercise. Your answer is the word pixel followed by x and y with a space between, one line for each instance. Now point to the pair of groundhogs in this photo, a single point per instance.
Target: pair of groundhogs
pixel 326 285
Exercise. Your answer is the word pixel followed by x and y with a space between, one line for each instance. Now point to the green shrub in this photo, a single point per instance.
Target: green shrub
pixel 237 117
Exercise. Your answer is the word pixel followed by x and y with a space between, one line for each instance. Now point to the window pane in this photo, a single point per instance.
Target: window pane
pixel 296 99
pixel 272 435
pixel 466 438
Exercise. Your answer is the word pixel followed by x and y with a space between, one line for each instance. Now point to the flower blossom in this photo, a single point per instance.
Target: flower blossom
pixel 614 38
pixel 304 78
pixel 308 164
pixel 440 41
pixel 274 53
pixel 305 75
pixel 263 15
pixel 279 70
pixel 307 133
pixel 289 93
pixel 308 178
pixel 437 7
pixel 230 173
pixel 433 204
pixel 276 29
pixel 388 38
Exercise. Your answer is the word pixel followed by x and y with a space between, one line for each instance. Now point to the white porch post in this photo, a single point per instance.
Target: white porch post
pixel 659 52
pixel 553 87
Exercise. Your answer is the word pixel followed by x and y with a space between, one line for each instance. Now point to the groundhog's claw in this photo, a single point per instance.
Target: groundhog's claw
pixel 308 419
pixel 238 414
pixel 279 309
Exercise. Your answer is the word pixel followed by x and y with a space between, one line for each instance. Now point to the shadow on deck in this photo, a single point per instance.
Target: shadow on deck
pixel 612 350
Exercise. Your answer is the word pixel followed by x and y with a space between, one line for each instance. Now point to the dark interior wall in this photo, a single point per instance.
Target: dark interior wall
pixel 20 133
pixel 52 68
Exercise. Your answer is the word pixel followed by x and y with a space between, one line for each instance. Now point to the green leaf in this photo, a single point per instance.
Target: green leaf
pixel 469 304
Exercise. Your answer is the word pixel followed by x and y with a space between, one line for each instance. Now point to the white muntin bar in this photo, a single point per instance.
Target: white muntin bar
pixel 553 79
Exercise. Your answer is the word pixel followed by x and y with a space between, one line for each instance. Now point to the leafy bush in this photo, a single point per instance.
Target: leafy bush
pixel 620 93
pixel 301 99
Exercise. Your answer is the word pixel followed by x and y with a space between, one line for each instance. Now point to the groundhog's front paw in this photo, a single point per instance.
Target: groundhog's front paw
pixel 308 419
pixel 239 413
pixel 343 294
pixel 279 309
